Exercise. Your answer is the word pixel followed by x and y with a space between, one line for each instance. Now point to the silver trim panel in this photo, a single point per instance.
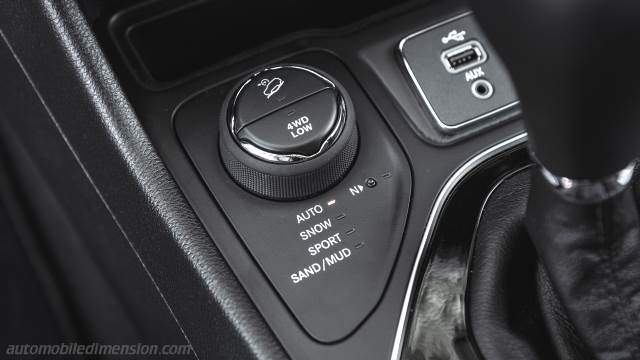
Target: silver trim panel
pixel 423 96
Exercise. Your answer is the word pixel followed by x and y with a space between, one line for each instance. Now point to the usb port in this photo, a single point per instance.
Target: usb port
pixel 463 57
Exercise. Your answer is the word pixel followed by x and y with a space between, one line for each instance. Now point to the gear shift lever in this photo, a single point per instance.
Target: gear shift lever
pixel 575 66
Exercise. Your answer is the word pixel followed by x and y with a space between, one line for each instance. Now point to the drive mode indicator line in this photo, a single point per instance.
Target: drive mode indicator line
pixel 316 268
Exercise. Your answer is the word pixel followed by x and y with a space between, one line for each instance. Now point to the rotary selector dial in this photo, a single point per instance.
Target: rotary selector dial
pixel 288 132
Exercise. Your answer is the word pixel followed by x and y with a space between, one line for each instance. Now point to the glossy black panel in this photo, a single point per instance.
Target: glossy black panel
pixel 438 328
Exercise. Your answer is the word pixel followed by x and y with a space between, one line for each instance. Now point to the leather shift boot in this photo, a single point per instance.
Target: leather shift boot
pixel 580 299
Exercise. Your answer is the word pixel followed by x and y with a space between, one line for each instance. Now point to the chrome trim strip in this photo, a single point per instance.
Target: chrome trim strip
pixel 438 205
pixel 587 191
pixel 423 96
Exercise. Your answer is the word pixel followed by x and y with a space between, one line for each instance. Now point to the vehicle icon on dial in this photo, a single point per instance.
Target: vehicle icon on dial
pixel 271 86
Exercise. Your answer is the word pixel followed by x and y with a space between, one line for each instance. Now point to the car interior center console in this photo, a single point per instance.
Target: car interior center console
pixel 308 190
pixel 319 162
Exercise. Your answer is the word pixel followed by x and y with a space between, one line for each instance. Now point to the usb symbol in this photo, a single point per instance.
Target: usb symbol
pixel 454 36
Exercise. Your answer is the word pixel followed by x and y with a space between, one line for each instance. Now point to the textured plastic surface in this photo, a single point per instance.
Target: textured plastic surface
pixel 88 143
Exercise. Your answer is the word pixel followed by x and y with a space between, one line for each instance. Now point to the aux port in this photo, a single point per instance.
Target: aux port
pixel 482 89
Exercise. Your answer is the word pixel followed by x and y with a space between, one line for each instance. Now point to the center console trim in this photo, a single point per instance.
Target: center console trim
pixel 444 194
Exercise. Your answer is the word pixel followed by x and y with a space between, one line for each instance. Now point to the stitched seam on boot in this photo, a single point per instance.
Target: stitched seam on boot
pixel 615 301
